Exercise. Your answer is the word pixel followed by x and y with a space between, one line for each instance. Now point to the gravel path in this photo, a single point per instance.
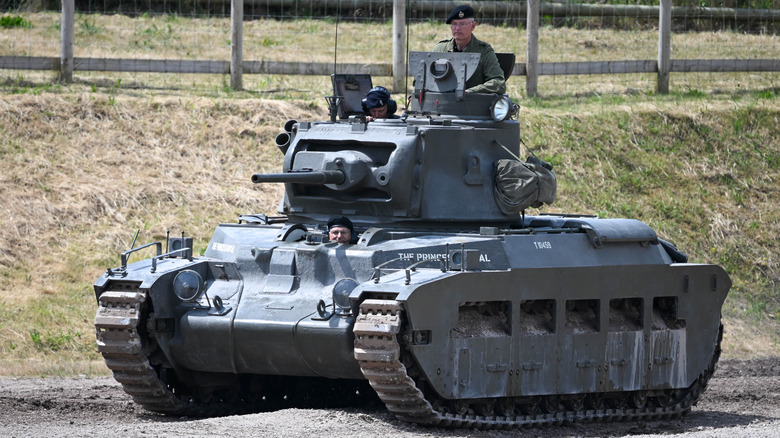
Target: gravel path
pixel 742 400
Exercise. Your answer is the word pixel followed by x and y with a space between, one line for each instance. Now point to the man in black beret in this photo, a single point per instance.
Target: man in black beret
pixel 488 78
pixel 340 229
pixel 379 105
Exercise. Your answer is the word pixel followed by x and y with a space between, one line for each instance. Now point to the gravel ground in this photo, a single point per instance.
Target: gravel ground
pixel 742 400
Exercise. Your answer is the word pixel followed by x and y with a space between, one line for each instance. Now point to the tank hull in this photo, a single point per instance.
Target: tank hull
pixel 553 311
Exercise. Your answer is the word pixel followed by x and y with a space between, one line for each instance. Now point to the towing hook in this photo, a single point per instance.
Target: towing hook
pixel 321 310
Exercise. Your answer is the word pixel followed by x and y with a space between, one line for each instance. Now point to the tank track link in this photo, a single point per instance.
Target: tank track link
pixel 118 340
pixel 379 354
pixel 119 325
pixel 130 351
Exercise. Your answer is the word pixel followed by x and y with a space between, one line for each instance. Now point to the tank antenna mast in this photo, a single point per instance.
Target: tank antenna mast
pixel 406 60
pixel 336 43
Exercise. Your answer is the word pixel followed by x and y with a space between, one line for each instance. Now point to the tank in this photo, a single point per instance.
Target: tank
pixel 453 307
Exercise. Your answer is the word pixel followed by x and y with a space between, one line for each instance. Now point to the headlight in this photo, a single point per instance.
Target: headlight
pixel 502 109
pixel 188 285
pixel 341 291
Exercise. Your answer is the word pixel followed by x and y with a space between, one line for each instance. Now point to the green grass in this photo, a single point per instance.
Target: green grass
pixel 9 21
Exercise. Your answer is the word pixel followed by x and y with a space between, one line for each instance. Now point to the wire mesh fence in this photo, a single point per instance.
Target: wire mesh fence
pixel 360 32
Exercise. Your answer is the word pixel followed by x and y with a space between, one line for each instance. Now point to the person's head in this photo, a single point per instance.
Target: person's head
pixel 462 24
pixel 340 229
pixel 378 103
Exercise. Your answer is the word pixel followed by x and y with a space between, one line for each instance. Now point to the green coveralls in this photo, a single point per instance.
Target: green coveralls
pixel 488 78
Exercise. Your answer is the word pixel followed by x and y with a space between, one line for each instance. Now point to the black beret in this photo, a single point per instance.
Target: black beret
pixel 376 98
pixel 341 221
pixel 460 12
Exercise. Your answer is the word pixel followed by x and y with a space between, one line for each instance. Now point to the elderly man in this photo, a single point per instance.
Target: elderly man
pixel 488 78
pixel 340 229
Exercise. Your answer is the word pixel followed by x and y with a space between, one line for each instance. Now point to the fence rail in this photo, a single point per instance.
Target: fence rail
pixel 183 66
pixel 236 66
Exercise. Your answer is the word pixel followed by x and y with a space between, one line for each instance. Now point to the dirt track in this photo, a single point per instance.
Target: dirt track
pixel 742 400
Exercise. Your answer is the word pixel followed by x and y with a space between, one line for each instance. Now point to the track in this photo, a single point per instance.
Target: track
pixel 120 326
pixel 124 340
pixel 119 318
pixel 380 357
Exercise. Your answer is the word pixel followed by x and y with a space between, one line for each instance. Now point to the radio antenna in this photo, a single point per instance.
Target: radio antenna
pixel 336 43
pixel 406 59
pixel 132 245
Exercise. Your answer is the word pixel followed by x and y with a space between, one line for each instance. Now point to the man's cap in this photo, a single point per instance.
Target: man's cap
pixel 376 98
pixel 460 12
pixel 341 221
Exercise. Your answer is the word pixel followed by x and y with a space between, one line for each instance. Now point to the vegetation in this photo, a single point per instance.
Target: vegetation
pixel 176 37
pixel 9 21
pixel 83 166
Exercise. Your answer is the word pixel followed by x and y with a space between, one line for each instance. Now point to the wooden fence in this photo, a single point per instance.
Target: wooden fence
pixel 236 67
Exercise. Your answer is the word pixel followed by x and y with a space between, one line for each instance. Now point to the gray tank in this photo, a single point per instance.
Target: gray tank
pixel 453 307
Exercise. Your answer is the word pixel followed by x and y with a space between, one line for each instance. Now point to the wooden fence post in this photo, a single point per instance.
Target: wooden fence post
pixel 399 41
pixel 66 41
pixel 236 44
pixel 532 48
pixel 664 45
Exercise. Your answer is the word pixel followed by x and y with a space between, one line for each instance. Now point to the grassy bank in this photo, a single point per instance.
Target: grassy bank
pixel 82 170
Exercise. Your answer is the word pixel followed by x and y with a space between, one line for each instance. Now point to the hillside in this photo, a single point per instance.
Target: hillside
pixel 81 171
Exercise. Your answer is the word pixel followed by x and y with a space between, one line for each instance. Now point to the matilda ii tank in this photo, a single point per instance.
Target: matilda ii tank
pixel 452 306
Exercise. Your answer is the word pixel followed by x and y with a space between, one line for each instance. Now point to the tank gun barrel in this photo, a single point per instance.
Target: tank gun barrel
pixel 301 177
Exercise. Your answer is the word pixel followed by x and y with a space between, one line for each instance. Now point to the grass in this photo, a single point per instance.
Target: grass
pixel 85 165
pixel 703 172
pixel 9 21
pixel 207 38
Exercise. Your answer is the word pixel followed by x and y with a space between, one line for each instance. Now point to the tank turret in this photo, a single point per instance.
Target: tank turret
pixel 434 166
pixel 451 307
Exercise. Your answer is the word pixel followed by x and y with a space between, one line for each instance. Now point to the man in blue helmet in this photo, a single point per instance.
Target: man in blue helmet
pixel 379 105
pixel 488 78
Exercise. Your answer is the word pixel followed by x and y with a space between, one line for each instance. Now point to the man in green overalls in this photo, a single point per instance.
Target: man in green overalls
pixel 488 78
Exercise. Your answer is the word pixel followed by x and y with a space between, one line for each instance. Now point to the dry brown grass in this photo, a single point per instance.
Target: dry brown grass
pixel 741 340
pixel 123 158
pixel 80 173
